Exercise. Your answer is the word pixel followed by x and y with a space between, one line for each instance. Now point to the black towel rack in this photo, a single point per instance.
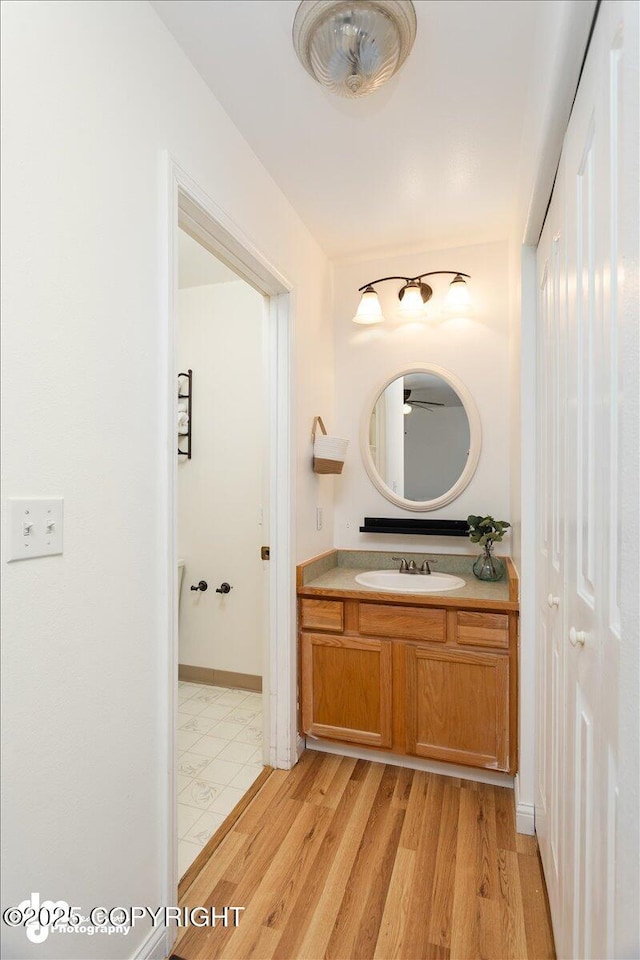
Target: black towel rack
pixel 188 396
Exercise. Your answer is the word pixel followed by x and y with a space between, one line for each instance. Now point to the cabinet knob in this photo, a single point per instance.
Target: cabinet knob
pixel 553 601
pixel 577 637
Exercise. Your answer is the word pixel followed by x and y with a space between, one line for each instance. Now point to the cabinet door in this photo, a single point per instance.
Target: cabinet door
pixel 457 706
pixel 346 688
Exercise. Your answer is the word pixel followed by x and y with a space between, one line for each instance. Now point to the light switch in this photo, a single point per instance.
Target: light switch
pixel 34 528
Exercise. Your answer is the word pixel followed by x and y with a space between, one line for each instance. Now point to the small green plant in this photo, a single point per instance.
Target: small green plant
pixel 486 531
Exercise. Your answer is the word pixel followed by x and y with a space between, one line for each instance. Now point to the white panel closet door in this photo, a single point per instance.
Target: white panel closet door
pixel 580 411
pixel 552 413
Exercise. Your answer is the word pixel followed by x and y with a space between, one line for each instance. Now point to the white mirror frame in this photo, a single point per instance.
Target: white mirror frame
pixel 475 441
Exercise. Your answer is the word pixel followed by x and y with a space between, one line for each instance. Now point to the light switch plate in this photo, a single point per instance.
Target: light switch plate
pixel 34 528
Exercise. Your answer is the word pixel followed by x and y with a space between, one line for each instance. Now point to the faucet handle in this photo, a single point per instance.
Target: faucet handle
pixel 403 563
pixel 426 565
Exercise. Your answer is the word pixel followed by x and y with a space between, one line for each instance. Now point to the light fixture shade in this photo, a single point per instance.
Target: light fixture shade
pixel 369 310
pixel 458 300
pixel 412 304
pixel 352 47
pixel 407 409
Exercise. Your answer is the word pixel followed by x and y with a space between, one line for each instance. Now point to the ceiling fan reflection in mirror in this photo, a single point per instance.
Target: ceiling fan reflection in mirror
pixel 426 405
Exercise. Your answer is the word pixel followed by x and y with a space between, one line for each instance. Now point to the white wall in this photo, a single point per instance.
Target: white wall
pixel 475 350
pixel 92 94
pixel 220 490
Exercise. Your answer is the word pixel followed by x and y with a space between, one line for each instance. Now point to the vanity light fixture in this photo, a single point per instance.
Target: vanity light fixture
pixel 414 295
pixel 352 47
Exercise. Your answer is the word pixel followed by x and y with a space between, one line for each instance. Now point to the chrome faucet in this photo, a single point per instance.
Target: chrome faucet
pixel 411 567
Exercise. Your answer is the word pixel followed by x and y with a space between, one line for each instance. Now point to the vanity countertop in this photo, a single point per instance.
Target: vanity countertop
pixel 333 575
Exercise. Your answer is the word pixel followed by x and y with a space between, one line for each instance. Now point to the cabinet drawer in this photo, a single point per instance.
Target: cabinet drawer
pixel 322 615
pixel 482 629
pixel 412 623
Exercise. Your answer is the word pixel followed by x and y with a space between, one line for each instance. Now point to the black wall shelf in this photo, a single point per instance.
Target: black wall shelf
pixel 424 528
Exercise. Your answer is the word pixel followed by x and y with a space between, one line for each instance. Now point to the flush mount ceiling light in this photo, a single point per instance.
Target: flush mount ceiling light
pixel 414 295
pixel 352 47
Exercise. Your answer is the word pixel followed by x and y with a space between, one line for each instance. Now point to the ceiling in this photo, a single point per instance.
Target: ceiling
pixel 197 267
pixel 431 159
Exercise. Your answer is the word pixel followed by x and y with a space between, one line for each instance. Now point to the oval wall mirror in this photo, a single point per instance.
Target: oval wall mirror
pixel 421 438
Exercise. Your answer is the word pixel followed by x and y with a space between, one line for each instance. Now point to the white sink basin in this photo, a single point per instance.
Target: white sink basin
pixel 409 582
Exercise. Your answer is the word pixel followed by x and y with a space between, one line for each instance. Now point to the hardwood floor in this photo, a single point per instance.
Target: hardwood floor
pixel 343 858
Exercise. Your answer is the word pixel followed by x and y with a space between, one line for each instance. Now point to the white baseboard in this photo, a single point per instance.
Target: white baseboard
pixel 414 763
pixel 525 812
pixel 155 946
pixel 300 746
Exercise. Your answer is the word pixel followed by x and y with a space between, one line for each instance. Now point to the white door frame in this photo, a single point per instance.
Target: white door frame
pixel 187 204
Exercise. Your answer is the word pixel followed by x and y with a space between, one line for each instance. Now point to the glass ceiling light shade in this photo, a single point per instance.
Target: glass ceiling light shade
pixel 458 300
pixel 413 298
pixel 352 47
pixel 369 310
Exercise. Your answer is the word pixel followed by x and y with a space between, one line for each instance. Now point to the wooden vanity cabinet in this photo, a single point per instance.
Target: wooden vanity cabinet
pixel 423 680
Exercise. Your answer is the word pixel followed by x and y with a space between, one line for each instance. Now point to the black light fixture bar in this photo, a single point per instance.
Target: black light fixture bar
pixel 430 273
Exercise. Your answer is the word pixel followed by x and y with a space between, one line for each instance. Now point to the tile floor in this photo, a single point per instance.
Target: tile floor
pixel 219 757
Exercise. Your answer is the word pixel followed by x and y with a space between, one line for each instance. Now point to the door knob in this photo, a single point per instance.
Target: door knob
pixel 577 637
pixel 201 585
pixel 553 601
pixel 224 588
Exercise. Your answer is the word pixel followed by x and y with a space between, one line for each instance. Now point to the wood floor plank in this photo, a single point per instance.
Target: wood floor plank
pixel 403 788
pixel 417 935
pixel 537 922
pixel 275 785
pixel 336 788
pixel 505 818
pixel 330 766
pixel 378 888
pixel 396 916
pixel 443 881
pixel 486 844
pixel 306 904
pixel 261 943
pixel 465 919
pixel 489 929
pixel 202 886
pixel 526 844
pixel 513 939
pixel 246 870
pixel 320 926
pixel 271 903
pixel 412 827
pixel 356 905
pixel 341 859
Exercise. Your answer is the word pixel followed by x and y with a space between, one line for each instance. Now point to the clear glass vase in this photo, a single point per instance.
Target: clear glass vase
pixel 488 567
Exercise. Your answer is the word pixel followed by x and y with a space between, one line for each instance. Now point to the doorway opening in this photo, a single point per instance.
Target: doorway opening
pixel 209 231
pixel 222 450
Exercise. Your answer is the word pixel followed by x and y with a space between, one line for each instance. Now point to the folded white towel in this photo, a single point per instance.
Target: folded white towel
pixel 183 406
pixel 183 419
